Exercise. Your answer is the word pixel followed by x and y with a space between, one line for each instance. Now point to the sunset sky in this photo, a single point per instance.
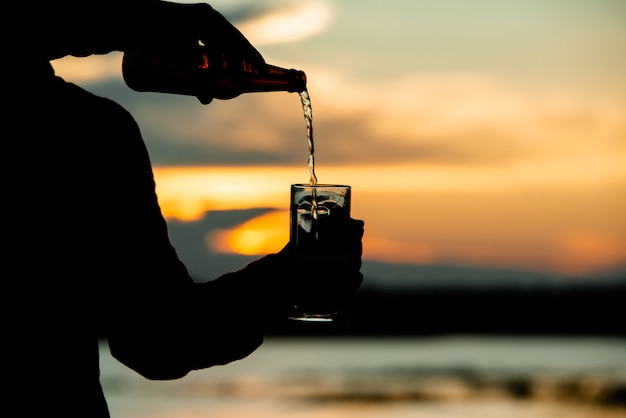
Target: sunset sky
pixel 485 133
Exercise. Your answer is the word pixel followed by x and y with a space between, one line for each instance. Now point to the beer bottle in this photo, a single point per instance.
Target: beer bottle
pixel 193 72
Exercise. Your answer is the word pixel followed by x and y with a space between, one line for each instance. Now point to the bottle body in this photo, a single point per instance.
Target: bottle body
pixel 193 72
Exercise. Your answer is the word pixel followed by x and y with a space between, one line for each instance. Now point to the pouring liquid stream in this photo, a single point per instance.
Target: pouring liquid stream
pixel 308 117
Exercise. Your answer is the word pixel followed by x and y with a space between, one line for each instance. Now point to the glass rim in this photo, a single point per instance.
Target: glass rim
pixel 321 185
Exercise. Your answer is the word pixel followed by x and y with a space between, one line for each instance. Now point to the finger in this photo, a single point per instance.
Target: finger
pixel 357 227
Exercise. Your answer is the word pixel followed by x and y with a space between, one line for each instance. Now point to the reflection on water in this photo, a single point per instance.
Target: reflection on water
pixel 382 378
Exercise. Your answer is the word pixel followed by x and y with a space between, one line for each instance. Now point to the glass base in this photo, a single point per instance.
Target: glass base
pixel 312 318
pixel 300 314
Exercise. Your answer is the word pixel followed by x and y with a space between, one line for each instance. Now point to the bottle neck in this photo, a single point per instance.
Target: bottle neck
pixel 274 79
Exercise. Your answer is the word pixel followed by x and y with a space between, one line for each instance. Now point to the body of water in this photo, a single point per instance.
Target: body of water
pixel 438 377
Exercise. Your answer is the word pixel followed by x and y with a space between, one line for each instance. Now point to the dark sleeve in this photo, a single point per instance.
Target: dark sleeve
pixel 158 321
pixel 217 322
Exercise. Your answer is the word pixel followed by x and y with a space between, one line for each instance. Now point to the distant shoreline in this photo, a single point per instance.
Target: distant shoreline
pixel 489 310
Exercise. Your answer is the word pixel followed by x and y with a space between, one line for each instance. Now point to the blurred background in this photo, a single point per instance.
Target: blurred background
pixel 486 145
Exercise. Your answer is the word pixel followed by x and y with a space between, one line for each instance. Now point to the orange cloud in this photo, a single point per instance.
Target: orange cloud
pixel 592 251
pixel 264 234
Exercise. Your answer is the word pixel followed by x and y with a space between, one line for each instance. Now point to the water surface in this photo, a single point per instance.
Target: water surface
pixel 449 377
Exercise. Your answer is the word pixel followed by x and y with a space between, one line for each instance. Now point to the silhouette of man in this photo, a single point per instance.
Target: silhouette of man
pixel 87 253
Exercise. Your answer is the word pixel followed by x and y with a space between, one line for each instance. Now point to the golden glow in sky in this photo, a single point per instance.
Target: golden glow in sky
pixel 264 234
pixel 420 215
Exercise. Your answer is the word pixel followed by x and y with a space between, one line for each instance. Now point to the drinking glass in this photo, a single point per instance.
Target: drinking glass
pixel 320 214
